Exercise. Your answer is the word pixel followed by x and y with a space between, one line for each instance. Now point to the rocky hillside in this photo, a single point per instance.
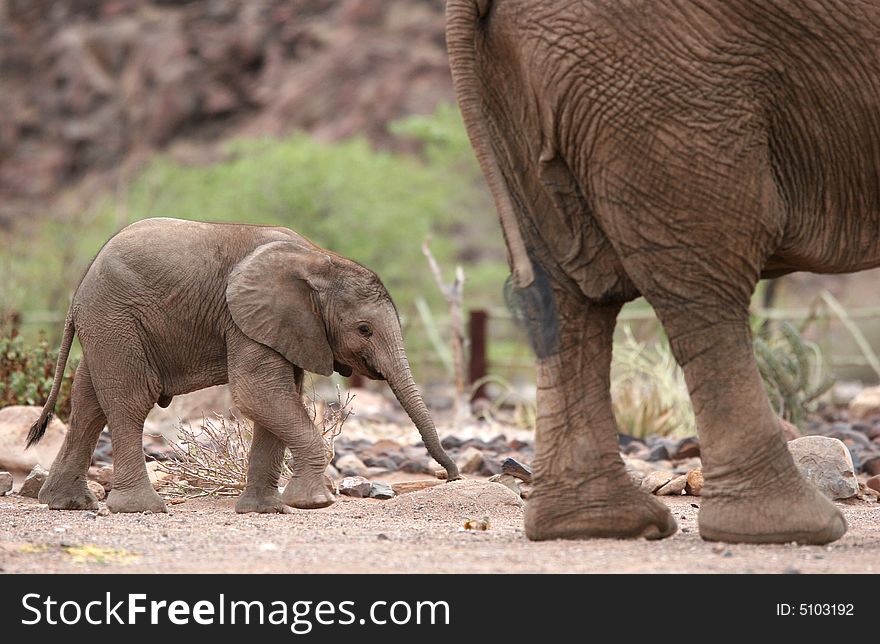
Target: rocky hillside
pixel 89 88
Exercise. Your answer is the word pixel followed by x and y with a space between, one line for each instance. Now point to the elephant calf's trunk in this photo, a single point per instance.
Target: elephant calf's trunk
pixel 411 400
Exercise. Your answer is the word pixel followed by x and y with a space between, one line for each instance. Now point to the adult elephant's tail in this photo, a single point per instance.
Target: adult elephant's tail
pixel 39 427
pixel 462 17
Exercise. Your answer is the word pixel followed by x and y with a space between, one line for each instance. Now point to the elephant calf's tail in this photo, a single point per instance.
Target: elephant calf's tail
pixel 39 427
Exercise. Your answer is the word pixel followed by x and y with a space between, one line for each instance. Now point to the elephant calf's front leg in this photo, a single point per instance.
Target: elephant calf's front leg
pixel 264 467
pixel 581 488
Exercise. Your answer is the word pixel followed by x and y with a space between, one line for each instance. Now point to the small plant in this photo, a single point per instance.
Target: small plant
pixel 213 458
pixel 794 372
pixel 648 390
pixel 27 372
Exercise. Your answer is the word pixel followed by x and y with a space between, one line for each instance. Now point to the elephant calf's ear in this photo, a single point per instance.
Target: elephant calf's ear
pixel 271 301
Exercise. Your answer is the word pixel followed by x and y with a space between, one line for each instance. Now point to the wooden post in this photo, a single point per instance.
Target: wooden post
pixel 478 365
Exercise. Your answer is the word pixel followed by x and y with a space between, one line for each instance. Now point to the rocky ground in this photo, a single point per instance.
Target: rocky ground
pixel 414 521
pixel 417 532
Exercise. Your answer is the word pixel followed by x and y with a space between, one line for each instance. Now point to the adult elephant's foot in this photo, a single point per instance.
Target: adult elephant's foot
pixel 308 492
pixel 789 509
pixel 70 495
pixel 261 501
pixel 596 510
pixel 139 499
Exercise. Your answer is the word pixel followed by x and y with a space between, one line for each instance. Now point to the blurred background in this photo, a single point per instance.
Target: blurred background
pixel 333 117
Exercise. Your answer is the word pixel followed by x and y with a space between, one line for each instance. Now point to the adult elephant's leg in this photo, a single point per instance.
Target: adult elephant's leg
pixel 66 488
pixel 753 491
pixel 581 487
pixel 694 233
pixel 262 383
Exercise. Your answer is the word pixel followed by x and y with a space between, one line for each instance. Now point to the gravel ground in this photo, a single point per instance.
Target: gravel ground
pixel 417 532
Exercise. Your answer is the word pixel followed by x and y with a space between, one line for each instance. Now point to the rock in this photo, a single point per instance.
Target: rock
pixel 688 447
pixel 470 461
pixel 104 476
pixel 381 462
pixel 509 481
pixel 414 466
pixel 450 442
pixel 789 430
pixel 865 404
pixel 827 463
pixel 466 497
pixel 332 473
pixel 15 423
pixel 873 483
pixel 694 485
pixel 157 475
pixel 871 466
pixel 406 487
pixel 34 481
pixel 516 469
pixel 674 488
pixel 655 480
pixel 5 482
pixel 351 465
pixel 356 486
pixel 380 490
pixel 97 489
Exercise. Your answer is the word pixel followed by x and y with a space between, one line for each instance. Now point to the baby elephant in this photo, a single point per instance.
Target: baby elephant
pixel 170 306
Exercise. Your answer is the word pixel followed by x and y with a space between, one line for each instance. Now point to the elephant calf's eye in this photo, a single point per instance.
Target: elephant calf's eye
pixel 364 330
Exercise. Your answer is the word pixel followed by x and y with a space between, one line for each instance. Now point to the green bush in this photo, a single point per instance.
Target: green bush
pixel 27 371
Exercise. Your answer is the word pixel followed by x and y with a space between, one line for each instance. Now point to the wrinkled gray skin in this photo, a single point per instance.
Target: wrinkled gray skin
pixel 171 306
pixel 679 150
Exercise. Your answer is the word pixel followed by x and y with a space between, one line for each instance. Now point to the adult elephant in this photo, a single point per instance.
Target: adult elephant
pixel 682 151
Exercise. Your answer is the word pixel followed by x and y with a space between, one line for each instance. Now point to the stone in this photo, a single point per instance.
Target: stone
pixel 873 483
pixel 516 469
pixel 380 490
pixel 674 488
pixel 509 481
pixel 332 473
pixel 157 475
pixel 15 423
pixel 97 489
pixel 865 404
pixel 871 466
pixel 470 461
pixel 351 465
pixel 104 476
pixel 658 453
pixel 694 484
pixel 789 430
pixel 638 465
pixel 826 462
pixel 656 480
pixel 5 482
pixel 355 486
pixel 34 481
pixel 688 447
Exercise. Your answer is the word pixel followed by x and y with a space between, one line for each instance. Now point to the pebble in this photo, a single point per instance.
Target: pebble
pixel 674 488
pixel 34 481
pixel 826 462
pixel 103 512
pixel 874 483
pixel 380 490
pixel 470 461
pixel 688 447
pixel 5 482
pixel 97 489
pixel 355 486
pixel 516 469
pixel 694 485
pixel 509 481
pixel 655 480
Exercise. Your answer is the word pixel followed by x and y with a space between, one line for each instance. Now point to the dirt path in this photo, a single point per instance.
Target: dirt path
pixel 414 533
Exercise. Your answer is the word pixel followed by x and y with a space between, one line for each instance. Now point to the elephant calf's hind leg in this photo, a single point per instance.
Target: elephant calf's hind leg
pixel 264 467
pixel 581 488
pixel 66 487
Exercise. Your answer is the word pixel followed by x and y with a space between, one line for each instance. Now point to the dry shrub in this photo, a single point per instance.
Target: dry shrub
pixel 213 458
